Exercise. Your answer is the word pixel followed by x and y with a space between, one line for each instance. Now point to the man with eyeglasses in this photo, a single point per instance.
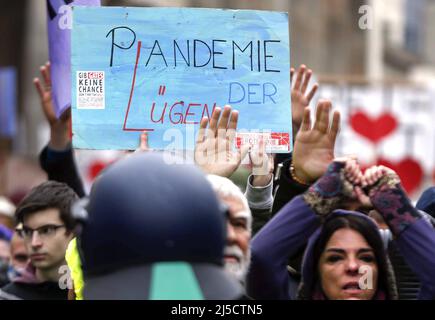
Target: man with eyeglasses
pixel 47 228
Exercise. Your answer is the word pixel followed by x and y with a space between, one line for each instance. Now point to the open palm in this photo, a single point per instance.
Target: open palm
pixel 59 128
pixel 299 96
pixel 214 151
pixel 314 146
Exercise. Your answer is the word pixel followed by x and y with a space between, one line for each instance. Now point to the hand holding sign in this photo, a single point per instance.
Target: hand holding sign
pixel 59 128
pixel 214 146
pixel 314 146
pixel 143 143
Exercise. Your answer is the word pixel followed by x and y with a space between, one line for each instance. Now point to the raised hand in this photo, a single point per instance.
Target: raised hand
pixel 353 173
pixel 333 190
pixel 389 199
pixel 376 176
pixel 59 128
pixel 262 165
pixel 214 146
pixel 300 99
pixel 314 146
pixel 355 177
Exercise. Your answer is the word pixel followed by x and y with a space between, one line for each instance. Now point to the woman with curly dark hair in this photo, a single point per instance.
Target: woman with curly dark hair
pixel 345 257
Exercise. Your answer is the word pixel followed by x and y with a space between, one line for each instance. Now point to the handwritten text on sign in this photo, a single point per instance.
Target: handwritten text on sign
pixel 161 69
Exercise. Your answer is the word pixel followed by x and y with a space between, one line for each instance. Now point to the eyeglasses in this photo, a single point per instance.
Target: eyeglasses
pixel 44 232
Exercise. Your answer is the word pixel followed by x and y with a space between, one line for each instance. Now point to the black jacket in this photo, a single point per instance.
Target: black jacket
pixel 60 166
pixel 33 291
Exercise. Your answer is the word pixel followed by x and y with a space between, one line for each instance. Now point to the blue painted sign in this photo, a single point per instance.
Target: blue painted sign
pixel 163 69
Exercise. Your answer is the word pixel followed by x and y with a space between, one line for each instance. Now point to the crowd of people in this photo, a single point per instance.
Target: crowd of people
pixel 308 226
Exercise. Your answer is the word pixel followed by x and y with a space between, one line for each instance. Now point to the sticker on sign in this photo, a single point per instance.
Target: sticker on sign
pixel 90 90
pixel 274 141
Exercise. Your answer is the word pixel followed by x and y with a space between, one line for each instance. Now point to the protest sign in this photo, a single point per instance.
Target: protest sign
pixel 59 22
pixel 163 69
pixel 8 101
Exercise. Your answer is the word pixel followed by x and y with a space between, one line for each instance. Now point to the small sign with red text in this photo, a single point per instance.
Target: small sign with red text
pixel 90 90
pixel 274 141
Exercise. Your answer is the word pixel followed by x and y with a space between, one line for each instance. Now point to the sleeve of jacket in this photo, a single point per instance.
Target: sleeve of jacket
pixel 278 240
pixel 417 245
pixel 413 234
pixel 60 166
pixel 260 202
pixel 286 188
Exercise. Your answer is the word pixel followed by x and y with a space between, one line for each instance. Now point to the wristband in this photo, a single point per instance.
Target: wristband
pixel 295 178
